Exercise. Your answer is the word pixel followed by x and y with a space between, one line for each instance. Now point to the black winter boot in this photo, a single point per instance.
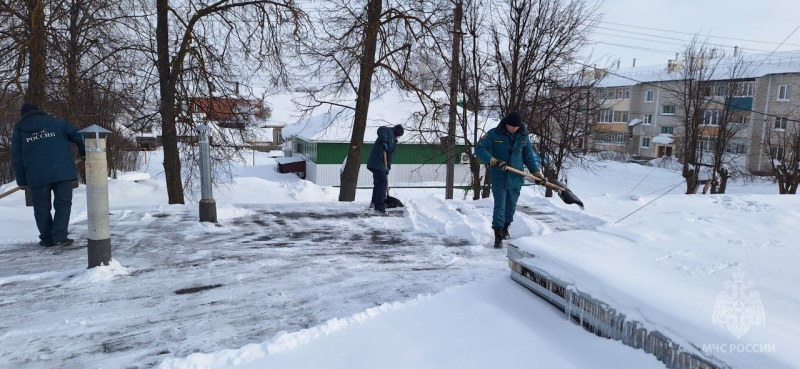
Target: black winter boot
pixel 506 236
pixel 498 238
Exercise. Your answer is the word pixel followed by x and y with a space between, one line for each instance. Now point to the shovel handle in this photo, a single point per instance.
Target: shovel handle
pixel 9 192
pixel 386 165
pixel 15 189
pixel 536 179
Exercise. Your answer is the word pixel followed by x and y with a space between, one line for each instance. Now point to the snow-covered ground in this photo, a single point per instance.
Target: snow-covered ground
pixel 292 278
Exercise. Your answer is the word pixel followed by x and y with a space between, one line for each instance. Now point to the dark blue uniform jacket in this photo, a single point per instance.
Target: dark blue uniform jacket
pixel 514 149
pixel 41 149
pixel 385 143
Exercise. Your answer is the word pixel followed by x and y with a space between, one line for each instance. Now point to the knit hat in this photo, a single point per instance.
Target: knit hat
pixel 26 107
pixel 512 119
pixel 398 130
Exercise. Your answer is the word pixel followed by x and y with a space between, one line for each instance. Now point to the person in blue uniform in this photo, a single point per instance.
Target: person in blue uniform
pixel 40 149
pixel 507 145
pixel 380 163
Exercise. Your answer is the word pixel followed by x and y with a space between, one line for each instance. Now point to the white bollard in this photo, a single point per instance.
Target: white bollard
pixel 99 232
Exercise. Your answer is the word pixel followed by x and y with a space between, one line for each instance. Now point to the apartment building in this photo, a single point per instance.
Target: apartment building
pixel 641 108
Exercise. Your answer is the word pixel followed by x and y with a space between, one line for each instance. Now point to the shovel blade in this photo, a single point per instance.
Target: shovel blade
pixel 567 196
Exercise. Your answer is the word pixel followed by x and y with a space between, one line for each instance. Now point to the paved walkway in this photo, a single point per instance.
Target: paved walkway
pixel 197 287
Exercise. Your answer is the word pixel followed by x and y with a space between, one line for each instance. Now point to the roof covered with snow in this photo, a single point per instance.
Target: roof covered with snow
pixel 388 109
pixel 756 65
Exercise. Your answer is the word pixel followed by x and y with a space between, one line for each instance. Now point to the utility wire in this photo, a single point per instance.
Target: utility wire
pixel 689 33
pixel 640 182
pixel 683 41
pixel 776 48
pixel 650 202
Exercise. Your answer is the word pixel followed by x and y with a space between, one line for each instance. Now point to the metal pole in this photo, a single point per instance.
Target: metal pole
pixel 99 233
pixel 208 206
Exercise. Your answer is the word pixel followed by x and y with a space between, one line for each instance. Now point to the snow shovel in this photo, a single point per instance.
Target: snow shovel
pixel 563 192
pixel 9 192
pixel 391 201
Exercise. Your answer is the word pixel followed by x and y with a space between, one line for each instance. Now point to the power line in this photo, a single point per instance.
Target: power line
pixel 683 41
pixel 776 48
pixel 633 47
pixel 694 34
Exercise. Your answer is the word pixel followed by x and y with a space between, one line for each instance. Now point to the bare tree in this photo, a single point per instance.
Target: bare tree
pixel 535 44
pixel 782 147
pixel 535 51
pixel 365 44
pixel 206 35
pixel 692 79
pixel 474 77
pixel 723 129
pixel 709 91
pixel 562 119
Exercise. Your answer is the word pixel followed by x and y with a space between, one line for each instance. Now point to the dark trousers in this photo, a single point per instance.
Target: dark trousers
pixel 52 227
pixel 379 180
pixel 505 203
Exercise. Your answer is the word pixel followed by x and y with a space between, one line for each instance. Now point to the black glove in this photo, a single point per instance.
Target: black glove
pixel 498 163
pixel 541 177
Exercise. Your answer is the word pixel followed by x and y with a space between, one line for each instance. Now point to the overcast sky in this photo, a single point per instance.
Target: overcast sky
pixel 652 31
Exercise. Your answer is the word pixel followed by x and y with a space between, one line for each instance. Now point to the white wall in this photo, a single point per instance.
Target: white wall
pixel 401 175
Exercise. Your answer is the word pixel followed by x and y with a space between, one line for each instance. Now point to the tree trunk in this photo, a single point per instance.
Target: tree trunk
pixel 172 162
pixel 451 124
pixel 474 166
pixel 72 65
pixel 349 177
pixel 37 54
pixel 723 180
pixel 487 184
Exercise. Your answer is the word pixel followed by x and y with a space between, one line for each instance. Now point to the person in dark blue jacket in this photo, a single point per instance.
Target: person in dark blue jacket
pixel 380 162
pixel 507 145
pixel 40 147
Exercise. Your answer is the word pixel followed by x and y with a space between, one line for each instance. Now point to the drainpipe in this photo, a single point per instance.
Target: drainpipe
pixel 764 123
pixel 655 118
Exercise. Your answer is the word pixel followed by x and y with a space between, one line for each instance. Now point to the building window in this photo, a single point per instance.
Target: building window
pixel 776 153
pixel 606 116
pixel 668 110
pixel 620 116
pixel 780 122
pixel 784 92
pixel 742 119
pixel 737 146
pixel 622 94
pixel 610 137
pixel 648 119
pixel 667 130
pixel 743 89
pixel 712 117
pixel 706 144
pixel 645 141
pixel 712 90
pixel 648 96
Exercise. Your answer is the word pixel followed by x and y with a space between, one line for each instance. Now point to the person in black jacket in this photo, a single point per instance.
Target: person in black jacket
pixel 40 148
pixel 380 162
